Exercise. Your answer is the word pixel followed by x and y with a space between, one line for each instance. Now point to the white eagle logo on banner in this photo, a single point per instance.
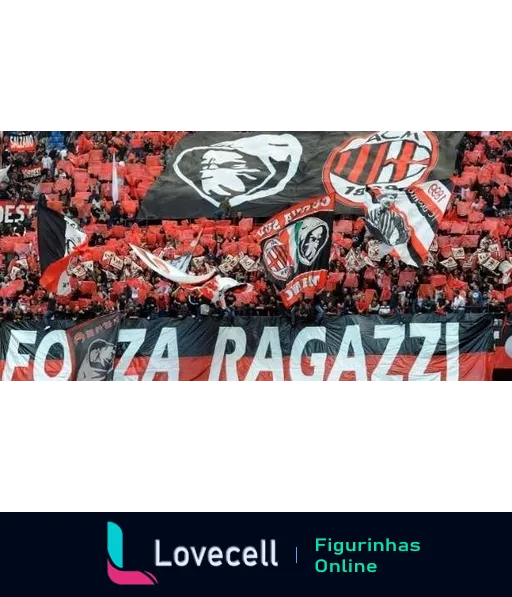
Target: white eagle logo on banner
pixel 241 170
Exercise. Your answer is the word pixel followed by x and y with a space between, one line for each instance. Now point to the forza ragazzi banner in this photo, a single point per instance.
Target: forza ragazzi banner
pixel 362 348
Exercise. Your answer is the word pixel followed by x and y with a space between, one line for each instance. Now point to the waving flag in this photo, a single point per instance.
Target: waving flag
pixel 216 288
pixel 296 245
pixel 406 222
pixel 59 240
pixel 167 270
pixel 183 262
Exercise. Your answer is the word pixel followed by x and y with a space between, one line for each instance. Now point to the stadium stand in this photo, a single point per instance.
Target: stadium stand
pixel 72 173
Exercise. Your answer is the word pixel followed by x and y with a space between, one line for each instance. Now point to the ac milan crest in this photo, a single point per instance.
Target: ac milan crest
pixel 388 160
pixel 276 259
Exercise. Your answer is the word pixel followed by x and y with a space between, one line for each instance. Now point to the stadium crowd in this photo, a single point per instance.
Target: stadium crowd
pixel 467 269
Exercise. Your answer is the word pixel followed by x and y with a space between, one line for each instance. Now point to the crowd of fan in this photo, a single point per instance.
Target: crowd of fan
pixel 76 180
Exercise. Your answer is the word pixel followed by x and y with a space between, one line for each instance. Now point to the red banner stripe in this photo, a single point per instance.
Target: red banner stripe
pixel 502 360
pixel 472 367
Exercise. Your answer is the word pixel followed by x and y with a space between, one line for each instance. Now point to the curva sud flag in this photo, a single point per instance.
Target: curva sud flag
pixel 421 347
pixel 93 347
pixel 263 173
pixel 58 238
pixel 295 248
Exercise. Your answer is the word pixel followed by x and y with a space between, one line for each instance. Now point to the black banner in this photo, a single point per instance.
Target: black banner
pixel 32 171
pixel 262 173
pixel 94 345
pixel 421 347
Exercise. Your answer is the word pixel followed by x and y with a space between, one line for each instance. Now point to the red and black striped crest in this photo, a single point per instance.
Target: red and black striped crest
pixel 276 259
pixel 383 159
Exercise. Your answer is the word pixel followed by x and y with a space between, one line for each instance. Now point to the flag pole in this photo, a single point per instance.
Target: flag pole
pixel 115 182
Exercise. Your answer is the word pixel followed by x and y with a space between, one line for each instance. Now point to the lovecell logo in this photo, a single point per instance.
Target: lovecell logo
pixel 115 570
pixel 265 554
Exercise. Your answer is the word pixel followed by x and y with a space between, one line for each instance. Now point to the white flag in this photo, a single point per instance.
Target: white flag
pixel 4 177
pixel 167 270
pixel 115 182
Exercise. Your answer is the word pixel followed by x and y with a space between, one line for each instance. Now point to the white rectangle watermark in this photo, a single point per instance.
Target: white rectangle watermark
pixel 433 493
